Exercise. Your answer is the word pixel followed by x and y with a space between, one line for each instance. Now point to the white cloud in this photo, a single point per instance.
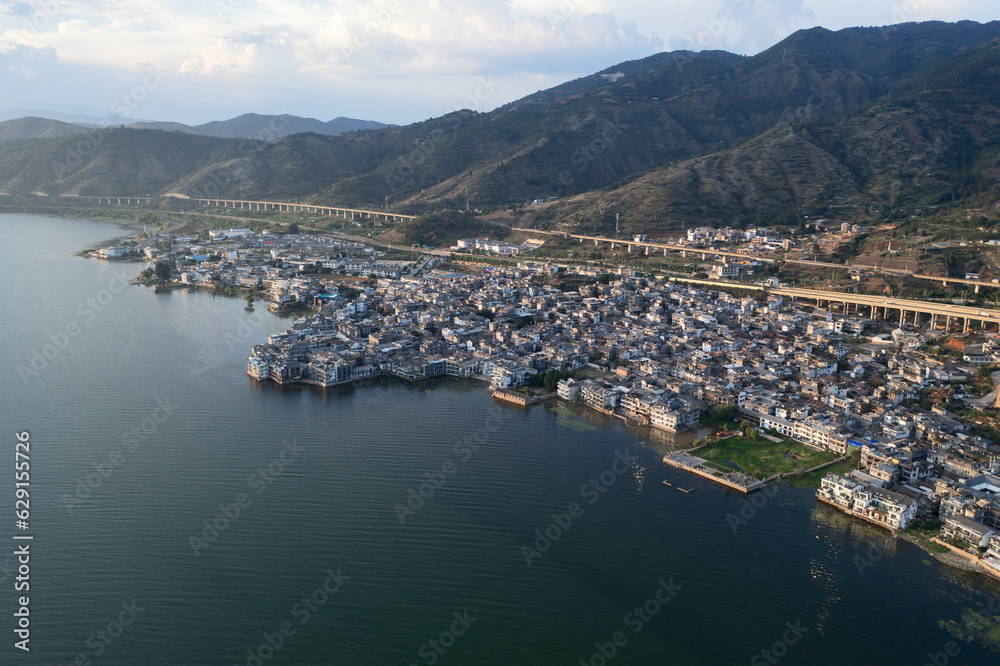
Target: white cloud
pixel 393 60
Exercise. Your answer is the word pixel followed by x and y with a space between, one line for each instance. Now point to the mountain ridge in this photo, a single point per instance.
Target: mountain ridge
pixel 822 122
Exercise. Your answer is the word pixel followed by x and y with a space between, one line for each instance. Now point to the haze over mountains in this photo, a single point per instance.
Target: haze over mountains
pixel 247 126
pixel 823 123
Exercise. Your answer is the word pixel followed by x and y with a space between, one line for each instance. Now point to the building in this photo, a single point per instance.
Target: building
pixel 966 533
pixel 569 389
pixel 878 505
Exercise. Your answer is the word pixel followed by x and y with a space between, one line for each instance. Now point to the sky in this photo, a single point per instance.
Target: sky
pixel 395 61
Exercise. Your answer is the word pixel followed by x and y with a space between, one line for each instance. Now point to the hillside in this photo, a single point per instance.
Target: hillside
pixel 117 161
pixel 37 128
pixel 931 141
pixel 596 131
pixel 847 123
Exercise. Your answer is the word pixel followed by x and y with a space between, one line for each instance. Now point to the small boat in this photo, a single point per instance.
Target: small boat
pixel 667 483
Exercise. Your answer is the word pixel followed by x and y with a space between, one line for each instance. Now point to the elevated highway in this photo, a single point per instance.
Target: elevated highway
pixel 920 313
pixel 257 206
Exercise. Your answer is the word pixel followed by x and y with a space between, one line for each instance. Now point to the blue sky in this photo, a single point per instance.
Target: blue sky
pixel 395 61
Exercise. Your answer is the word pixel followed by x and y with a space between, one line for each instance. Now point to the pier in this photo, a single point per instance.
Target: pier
pixel 518 398
pixel 735 480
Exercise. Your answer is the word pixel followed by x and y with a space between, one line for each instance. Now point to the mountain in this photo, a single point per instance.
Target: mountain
pixel 267 128
pixel 932 140
pixel 37 128
pixel 85 116
pixel 639 116
pixel 115 161
pixel 823 123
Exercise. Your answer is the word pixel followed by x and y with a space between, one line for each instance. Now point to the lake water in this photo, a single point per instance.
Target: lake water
pixel 207 512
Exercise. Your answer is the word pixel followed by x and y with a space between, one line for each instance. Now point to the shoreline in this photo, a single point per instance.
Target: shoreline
pixel 951 558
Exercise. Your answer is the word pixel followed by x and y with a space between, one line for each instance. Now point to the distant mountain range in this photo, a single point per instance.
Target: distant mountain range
pixel 255 126
pixel 824 123
pixel 247 126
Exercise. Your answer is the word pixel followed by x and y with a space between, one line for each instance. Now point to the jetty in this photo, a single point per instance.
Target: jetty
pixel 735 480
pixel 518 398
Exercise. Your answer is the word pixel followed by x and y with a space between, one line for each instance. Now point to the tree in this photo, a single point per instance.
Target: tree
pixel 162 271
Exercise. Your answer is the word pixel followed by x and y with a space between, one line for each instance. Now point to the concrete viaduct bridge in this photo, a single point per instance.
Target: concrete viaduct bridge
pixel 919 313
pixel 705 253
pixel 649 247
pixel 261 206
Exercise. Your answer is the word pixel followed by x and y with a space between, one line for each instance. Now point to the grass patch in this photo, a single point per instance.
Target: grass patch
pixel 763 458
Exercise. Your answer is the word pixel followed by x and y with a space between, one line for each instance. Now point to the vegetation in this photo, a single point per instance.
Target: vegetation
pixel 548 380
pixel 720 416
pixel 762 458
pixel 636 155
pixel 444 227
pixel 975 626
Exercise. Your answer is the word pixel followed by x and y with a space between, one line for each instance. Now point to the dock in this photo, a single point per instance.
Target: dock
pixel 695 465
pixel 519 398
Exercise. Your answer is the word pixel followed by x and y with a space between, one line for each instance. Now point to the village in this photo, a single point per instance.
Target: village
pixel 781 385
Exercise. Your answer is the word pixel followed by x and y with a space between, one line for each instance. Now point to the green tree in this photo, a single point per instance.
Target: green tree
pixel 162 271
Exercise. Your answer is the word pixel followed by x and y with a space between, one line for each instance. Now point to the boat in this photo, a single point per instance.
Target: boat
pixel 667 483
pixel 685 491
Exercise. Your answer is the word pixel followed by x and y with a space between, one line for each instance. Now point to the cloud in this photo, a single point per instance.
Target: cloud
pixel 391 60
pixel 15 8
pixel 225 57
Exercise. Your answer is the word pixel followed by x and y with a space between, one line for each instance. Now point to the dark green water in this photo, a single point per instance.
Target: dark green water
pixel 331 508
